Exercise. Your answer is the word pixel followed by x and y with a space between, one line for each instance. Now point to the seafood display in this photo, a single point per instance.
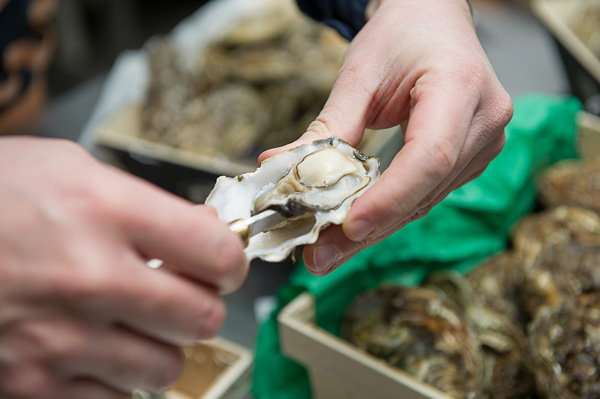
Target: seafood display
pixel 314 185
pixel 572 183
pixel 256 88
pixel 421 331
pixel 564 343
pixel 533 310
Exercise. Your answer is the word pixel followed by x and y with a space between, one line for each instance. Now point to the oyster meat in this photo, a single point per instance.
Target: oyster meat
pixel 314 185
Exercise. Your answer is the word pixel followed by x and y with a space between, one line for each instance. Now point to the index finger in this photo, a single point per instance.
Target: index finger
pixel 190 239
pixel 435 135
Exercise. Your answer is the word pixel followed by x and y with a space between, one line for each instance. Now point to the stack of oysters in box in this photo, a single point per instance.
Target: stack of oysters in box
pixel 525 324
pixel 256 88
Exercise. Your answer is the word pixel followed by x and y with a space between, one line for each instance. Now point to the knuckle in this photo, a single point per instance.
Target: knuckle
pixel 230 259
pixel 90 284
pixel 81 287
pixel 443 156
pixel 98 203
pixel 170 371
pixel 470 74
pixel 318 129
pixel 211 318
pixel 25 382
pixel 503 108
pixel 52 341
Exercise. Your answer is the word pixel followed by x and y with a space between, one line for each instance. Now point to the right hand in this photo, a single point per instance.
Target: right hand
pixel 81 315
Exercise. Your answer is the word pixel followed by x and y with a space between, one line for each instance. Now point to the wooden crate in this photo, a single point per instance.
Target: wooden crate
pixel 215 369
pixel 581 63
pixel 588 135
pixel 337 369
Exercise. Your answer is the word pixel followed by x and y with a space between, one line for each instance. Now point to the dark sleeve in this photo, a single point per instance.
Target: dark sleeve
pixel 345 16
pixel 25 32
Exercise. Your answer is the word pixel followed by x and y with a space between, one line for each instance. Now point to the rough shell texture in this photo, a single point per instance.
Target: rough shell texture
pixel 561 253
pixel 565 348
pixel 324 186
pixel 484 296
pixel 572 182
pixel 422 332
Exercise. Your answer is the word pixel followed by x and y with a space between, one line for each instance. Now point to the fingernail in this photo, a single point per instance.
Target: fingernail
pixel 361 229
pixel 324 258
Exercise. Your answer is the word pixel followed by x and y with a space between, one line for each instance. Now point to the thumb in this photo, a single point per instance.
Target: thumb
pixel 344 114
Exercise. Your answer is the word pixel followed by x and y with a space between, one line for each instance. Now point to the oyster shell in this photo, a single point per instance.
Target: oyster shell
pixel 565 345
pixel 572 182
pixel 314 185
pixel 561 249
pixel 484 297
pixel 496 284
pixel 420 331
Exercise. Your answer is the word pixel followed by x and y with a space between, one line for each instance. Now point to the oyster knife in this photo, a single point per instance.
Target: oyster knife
pixel 258 223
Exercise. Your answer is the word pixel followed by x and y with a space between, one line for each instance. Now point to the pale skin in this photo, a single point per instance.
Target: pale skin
pixel 81 315
pixel 417 64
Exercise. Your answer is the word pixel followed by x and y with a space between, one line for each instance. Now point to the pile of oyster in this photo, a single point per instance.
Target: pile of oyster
pixel 525 324
pixel 256 88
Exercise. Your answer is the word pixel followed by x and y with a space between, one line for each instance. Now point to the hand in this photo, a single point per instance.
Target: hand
pixel 420 64
pixel 81 315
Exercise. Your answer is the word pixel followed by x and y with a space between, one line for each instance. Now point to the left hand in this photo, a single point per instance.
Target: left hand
pixel 419 63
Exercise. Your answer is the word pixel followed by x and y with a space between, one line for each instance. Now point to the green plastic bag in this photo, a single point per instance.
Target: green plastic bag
pixel 472 223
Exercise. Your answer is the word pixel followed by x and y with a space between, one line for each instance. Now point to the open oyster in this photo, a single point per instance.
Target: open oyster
pixel 314 185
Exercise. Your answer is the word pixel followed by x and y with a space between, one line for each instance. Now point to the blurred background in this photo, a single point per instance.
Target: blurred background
pixel 93 33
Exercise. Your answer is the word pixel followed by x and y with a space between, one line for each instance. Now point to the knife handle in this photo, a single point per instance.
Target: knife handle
pixel 242 230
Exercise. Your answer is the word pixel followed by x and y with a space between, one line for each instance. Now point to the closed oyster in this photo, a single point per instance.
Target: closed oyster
pixel 314 185
pixel 551 229
pixel 573 183
pixel 496 284
pixel 562 252
pixel 565 345
pixel 483 297
pixel 420 331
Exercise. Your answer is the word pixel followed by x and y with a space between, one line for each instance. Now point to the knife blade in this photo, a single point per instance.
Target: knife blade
pixel 258 223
